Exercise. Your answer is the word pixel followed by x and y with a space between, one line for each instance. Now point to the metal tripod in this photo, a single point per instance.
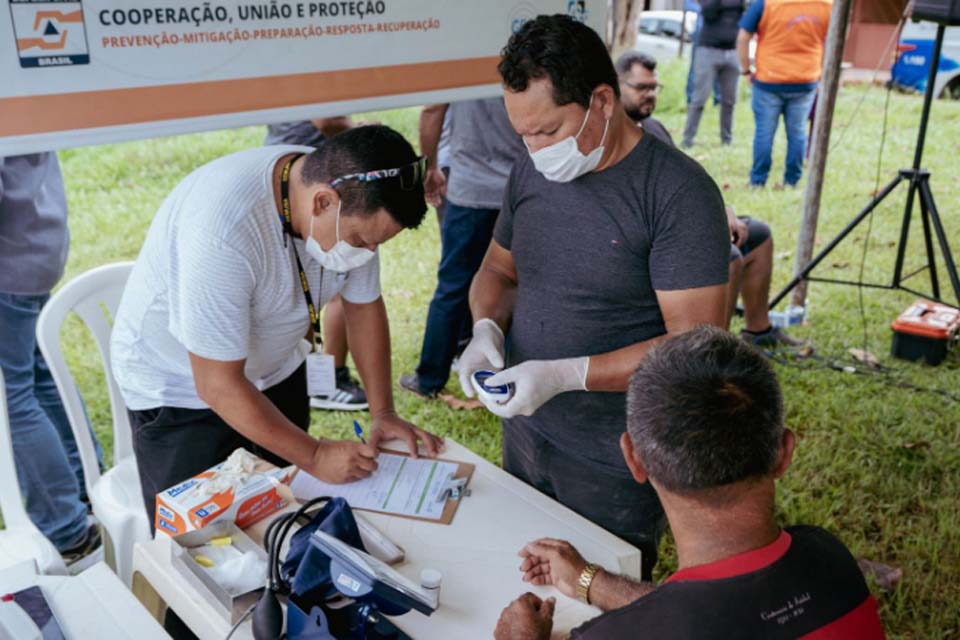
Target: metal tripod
pixel 919 186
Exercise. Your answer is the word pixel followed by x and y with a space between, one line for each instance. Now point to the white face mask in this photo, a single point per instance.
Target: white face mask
pixel 343 256
pixel 563 162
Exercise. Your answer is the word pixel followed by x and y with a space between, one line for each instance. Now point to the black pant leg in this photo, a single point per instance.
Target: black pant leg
pixel 172 444
pixel 523 451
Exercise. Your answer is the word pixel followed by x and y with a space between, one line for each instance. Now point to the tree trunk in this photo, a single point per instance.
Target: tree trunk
pixel 626 13
pixel 683 33
pixel 822 123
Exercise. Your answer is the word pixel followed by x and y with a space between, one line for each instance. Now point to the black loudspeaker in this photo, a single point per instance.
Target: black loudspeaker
pixel 940 11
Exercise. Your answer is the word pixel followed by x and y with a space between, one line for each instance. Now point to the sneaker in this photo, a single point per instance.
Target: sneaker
pixel 771 338
pixel 411 382
pixel 349 395
pixel 90 543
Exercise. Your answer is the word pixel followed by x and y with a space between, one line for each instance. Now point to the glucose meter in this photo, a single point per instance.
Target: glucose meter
pixel 495 395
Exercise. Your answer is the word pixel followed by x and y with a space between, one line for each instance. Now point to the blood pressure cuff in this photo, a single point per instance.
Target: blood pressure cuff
pixel 307 569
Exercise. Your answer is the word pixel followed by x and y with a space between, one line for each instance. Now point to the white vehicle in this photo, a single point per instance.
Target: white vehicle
pixel 658 33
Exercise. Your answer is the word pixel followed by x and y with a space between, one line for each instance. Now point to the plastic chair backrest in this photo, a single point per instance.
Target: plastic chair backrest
pixel 94 296
pixel 11 500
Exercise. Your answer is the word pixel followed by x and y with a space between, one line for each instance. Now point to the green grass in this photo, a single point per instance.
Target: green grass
pixel 853 472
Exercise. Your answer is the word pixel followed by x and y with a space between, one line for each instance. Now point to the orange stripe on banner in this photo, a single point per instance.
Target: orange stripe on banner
pixel 89 109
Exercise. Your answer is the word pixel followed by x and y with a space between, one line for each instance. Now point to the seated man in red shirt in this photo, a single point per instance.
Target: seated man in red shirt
pixel 705 427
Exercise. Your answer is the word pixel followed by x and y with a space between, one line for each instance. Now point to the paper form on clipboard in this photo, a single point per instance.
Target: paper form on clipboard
pixel 401 486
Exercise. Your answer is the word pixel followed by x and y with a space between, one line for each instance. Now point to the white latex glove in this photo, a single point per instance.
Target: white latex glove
pixel 485 351
pixel 536 381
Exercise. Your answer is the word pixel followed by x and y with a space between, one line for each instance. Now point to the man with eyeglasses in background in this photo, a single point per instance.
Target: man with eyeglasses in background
pixel 208 344
pixel 751 241
pixel 639 87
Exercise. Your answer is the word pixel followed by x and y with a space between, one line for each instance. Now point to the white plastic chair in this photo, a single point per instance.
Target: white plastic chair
pixel 115 495
pixel 20 539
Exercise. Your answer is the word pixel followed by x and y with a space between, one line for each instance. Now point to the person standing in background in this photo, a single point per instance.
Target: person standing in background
pixel 715 63
pixel 34 241
pixel 483 147
pixel 790 35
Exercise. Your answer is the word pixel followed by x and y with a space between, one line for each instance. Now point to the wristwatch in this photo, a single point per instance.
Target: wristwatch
pixel 586 579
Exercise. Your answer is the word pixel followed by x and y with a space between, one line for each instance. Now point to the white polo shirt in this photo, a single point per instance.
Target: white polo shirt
pixel 217 277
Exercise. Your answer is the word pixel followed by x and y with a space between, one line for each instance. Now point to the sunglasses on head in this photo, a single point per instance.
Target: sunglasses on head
pixel 410 175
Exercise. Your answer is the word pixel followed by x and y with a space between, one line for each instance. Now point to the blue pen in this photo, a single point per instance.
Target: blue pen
pixel 357 429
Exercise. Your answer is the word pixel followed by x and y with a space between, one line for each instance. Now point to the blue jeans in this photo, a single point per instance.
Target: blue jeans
pixel 48 463
pixel 465 235
pixel 767 108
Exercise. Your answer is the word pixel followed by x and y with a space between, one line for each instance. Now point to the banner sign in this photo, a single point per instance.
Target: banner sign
pixel 78 72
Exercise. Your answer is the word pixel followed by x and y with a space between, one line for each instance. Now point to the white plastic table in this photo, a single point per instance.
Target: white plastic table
pixel 477 555
pixel 93 604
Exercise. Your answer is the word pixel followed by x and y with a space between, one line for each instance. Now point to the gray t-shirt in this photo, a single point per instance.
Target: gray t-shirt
pixel 301 132
pixel 655 128
pixel 443 146
pixel 483 148
pixel 589 256
pixel 33 223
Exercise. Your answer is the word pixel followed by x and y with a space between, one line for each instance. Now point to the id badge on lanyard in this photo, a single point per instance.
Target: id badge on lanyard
pixel 321 374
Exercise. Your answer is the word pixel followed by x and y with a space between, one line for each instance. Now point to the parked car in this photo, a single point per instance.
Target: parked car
pixel 658 33
pixel 914 54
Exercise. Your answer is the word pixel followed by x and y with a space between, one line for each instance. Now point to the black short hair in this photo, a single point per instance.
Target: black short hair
pixel 705 410
pixel 568 51
pixel 364 149
pixel 626 61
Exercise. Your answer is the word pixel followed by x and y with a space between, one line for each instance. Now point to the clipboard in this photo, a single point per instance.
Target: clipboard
pixel 464 472
pixel 463 475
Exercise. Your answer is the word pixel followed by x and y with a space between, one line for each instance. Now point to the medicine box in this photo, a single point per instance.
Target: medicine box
pixel 192 504
pixel 926 330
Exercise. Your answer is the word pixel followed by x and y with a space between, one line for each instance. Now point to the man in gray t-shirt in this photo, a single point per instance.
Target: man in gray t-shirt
pixel 483 147
pixel 608 241
pixel 33 250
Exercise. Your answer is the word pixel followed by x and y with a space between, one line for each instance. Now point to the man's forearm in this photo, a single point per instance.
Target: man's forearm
pixel 368 333
pixel 610 591
pixel 743 49
pixel 611 371
pixel 330 127
pixel 492 295
pixel 431 128
pixel 242 406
